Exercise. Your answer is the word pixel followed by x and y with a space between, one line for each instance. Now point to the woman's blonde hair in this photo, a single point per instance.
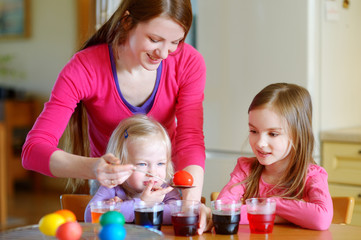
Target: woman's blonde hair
pixel 293 103
pixel 135 128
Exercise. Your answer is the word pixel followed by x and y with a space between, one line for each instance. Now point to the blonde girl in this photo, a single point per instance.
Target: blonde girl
pixel 281 137
pixel 143 143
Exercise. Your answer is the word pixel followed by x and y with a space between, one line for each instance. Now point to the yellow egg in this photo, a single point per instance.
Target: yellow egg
pixel 50 223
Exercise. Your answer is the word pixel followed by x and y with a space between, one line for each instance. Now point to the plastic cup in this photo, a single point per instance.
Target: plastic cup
pixel 149 214
pixel 261 213
pixel 226 215
pixel 185 217
pixel 99 207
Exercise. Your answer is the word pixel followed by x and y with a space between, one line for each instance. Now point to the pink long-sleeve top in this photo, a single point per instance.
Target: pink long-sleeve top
pixel 88 77
pixel 314 211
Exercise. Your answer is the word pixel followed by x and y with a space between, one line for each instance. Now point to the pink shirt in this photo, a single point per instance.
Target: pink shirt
pixel 315 211
pixel 88 77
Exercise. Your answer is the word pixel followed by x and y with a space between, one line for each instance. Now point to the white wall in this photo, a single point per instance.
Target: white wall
pixel 51 44
pixel 341 68
pixel 248 45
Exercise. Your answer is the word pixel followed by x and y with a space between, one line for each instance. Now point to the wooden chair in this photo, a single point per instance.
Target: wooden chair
pixel 214 196
pixel 343 209
pixel 75 203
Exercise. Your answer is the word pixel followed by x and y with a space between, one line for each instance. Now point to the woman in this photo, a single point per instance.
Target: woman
pixel 137 62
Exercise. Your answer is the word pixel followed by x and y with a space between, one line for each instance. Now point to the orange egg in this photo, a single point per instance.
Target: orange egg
pixel 68 215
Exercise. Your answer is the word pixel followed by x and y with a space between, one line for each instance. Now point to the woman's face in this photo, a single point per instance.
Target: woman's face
pixel 268 137
pixel 152 41
pixel 150 155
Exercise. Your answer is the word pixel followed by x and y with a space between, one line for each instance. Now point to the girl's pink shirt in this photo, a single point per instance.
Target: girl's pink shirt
pixel 88 77
pixel 314 211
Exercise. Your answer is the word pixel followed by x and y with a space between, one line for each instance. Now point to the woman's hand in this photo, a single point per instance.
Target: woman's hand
pixel 110 173
pixel 153 193
pixel 194 193
pixel 205 219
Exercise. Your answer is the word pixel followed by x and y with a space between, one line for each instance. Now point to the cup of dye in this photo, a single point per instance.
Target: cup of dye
pixel 261 213
pixel 149 214
pixel 226 215
pixel 97 208
pixel 185 217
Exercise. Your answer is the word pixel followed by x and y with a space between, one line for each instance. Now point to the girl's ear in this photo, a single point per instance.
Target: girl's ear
pixel 126 14
pixel 126 20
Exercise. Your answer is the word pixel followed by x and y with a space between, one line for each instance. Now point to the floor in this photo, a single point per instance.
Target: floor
pixel 26 207
pixel 29 203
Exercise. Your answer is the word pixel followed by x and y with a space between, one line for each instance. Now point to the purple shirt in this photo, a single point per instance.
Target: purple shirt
pixel 144 109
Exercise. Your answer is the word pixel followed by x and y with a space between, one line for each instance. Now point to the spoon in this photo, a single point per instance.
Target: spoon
pixel 150 174
pixel 182 186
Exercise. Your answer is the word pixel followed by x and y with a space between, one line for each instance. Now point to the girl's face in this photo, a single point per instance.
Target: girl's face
pixel 268 137
pixel 151 42
pixel 148 154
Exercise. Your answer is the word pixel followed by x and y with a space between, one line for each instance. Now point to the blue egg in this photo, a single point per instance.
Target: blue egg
pixel 112 231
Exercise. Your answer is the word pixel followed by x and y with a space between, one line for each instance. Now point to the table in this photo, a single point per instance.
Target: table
pixel 90 232
pixel 280 232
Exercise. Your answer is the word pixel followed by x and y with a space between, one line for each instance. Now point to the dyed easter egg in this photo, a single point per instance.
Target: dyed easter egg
pixel 49 223
pixel 68 215
pixel 112 217
pixel 112 231
pixel 183 178
pixel 69 231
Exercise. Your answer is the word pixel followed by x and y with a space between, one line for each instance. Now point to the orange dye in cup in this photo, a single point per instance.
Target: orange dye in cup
pixel 96 216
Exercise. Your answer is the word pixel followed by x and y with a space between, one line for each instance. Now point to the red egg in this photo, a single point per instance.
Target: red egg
pixel 69 231
pixel 183 178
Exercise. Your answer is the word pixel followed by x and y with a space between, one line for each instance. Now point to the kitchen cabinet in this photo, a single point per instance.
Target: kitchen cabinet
pixel 341 157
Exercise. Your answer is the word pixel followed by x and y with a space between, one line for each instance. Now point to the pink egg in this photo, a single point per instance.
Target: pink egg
pixel 69 231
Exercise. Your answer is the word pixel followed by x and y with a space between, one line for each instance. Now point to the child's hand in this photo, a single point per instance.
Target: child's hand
pixel 115 199
pixel 154 193
pixel 281 220
pixel 205 219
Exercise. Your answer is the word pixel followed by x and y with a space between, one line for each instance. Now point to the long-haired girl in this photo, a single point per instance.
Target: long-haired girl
pixel 280 135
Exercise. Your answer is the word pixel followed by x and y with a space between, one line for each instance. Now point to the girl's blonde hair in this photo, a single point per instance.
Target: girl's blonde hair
pixel 293 103
pixel 132 129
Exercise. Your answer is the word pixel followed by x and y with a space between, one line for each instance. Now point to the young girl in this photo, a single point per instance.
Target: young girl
pixel 280 135
pixel 143 142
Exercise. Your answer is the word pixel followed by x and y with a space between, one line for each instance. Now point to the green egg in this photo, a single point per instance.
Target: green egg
pixel 112 217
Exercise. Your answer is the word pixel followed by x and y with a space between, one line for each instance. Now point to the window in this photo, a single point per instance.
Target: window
pixel 104 10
